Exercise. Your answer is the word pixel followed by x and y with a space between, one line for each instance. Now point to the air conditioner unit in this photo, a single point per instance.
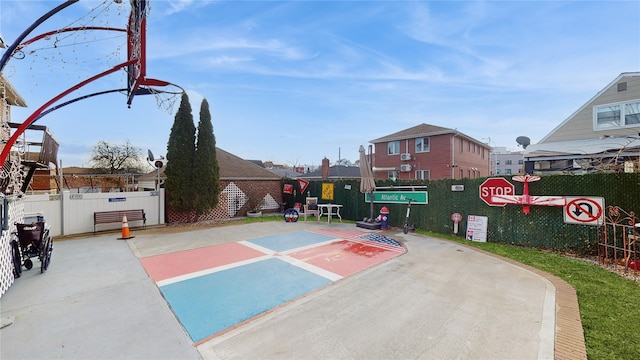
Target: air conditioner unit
pixel 405 167
pixel 405 157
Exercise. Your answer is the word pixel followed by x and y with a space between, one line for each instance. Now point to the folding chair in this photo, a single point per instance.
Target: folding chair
pixel 311 208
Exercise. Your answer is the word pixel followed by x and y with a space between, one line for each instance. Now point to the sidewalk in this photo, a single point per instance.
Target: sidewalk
pixel 440 300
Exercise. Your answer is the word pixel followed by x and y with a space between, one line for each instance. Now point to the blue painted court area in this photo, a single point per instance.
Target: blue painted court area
pixel 216 288
pixel 292 240
pixel 212 303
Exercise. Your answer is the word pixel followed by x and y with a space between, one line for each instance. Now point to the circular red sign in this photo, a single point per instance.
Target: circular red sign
pixel 456 217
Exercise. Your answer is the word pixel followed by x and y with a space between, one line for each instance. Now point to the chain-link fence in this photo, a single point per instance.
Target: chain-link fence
pixel 544 227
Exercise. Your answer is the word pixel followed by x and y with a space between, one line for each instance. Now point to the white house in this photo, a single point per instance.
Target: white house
pixel 602 135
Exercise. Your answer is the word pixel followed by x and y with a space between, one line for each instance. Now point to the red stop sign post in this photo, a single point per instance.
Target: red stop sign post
pixel 495 186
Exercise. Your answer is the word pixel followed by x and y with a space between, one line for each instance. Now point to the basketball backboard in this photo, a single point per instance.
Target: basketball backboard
pixel 136 47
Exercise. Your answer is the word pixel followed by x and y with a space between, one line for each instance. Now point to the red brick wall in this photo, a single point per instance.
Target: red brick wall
pixel 438 160
pixel 43 180
pixel 254 187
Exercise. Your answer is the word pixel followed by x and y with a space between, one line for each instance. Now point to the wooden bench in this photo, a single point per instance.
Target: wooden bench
pixel 108 217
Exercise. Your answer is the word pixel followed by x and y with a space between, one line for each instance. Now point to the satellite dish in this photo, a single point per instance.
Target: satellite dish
pixel 150 155
pixel 523 141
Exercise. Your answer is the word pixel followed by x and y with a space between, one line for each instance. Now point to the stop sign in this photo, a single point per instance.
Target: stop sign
pixel 495 186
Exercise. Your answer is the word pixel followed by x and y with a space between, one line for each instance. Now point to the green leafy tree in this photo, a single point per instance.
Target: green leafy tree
pixel 206 171
pixel 180 155
pixel 111 158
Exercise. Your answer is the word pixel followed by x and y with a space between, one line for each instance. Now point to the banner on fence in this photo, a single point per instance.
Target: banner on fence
pixel 477 228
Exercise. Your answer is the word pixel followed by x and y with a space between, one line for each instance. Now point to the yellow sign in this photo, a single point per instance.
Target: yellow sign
pixel 327 191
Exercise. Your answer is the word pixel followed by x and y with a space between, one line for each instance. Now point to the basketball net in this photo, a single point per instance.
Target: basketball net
pixel 65 53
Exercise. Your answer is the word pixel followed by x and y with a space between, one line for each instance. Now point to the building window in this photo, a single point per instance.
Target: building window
pixel 607 117
pixel 422 174
pixel 508 162
pixel 520 162
pixel 392 175
pixel 393 147
pixel 507 171
pixel 614 116
pixel 422 144
pixel 497 162
pixel 498 171
pixel 632 114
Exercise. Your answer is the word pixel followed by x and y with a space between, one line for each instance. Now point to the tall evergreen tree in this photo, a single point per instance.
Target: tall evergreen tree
pixel 180 156
pixel 206 171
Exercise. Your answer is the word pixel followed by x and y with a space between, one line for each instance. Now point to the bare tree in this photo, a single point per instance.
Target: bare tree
pixel 613 161
pixel 116 158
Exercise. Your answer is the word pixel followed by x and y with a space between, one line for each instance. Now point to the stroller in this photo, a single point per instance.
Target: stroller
pixel 33 240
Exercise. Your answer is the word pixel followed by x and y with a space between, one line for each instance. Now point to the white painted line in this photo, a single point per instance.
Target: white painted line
pixel 268 254
pixel 210 271
pixel 257 247
pixel 291 251
pixel 311 268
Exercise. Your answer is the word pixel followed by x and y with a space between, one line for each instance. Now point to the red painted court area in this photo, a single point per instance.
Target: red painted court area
pixel 341 252
pixel 214 288
pixel 168 266
pixel 344 257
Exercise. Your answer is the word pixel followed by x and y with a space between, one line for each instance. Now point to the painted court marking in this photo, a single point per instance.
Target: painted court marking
pixel 218 287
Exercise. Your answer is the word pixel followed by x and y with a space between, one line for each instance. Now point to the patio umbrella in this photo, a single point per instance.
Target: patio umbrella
pixel 367 183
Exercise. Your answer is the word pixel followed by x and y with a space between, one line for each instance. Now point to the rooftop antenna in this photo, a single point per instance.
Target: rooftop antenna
pixel 523 141
pixel 150 155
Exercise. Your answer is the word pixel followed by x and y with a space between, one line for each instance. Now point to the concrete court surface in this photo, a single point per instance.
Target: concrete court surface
pixel 439 301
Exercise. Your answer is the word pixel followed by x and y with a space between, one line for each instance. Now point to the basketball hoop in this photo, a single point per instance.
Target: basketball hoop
pixel 166 94
pixel 134 66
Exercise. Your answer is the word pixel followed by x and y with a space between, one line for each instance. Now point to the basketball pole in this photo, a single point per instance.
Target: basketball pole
pixel 33 117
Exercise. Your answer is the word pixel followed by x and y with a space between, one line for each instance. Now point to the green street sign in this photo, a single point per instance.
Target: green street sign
pixel 397 197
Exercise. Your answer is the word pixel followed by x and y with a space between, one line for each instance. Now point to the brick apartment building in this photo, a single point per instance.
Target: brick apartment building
pixel 430 152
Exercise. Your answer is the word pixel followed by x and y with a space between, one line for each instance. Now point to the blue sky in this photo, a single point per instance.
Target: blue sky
pixel 296 81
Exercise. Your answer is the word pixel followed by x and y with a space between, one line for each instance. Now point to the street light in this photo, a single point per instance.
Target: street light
pixel 157 164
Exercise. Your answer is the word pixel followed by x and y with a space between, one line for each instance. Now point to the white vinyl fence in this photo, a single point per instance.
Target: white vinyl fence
pixel 71 214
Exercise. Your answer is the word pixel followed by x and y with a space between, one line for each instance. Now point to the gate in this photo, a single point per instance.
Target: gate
pixel 619 245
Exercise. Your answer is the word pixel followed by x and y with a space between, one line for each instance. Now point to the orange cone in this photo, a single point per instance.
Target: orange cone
pixel 125 229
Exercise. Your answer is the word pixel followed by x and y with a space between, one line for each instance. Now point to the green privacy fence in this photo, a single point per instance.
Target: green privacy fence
pixel 544 227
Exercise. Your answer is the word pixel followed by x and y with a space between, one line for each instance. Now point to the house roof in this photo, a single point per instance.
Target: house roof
pixel 423 130
pixel 235 168
pixel 589 103
pixel 8 92
pixel 257 162
pixel 285 173
pixel 335 172
pixel 231 168
pixel 559 149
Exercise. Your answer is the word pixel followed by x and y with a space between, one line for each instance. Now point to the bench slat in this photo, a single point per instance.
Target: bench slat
pixel 106 217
